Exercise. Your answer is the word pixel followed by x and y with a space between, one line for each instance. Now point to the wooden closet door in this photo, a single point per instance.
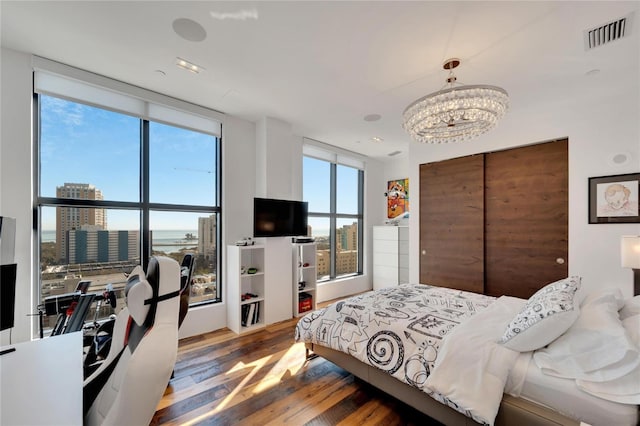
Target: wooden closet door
pixel 452 223
pixel 526 218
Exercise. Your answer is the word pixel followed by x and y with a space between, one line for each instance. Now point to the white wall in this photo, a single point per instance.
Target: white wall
pixel 277 149
pixel 597 129
pixel 16 179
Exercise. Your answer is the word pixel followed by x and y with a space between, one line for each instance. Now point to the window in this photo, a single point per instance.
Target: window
pixel 115 188
pixel 335 195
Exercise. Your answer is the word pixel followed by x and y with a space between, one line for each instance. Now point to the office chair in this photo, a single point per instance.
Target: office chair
pixel 186 273
pixel 128 385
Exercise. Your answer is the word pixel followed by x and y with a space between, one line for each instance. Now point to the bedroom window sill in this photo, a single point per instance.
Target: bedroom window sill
pixel 341 278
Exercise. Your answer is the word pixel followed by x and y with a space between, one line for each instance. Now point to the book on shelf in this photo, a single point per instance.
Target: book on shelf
pixel 245 313
pixel 250 314
pixel 252 308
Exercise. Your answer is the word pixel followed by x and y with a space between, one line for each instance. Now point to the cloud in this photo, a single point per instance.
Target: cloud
pixel 61 111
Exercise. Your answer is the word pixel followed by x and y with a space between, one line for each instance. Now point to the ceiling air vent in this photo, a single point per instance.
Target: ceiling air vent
pixel 605 34
pixel 394 153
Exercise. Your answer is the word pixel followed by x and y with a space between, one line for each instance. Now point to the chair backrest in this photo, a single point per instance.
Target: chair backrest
pixel 186 273
pixel 128 386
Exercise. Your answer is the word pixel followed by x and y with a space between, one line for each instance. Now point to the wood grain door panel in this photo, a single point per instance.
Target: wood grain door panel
pixel 452 223
pixel 526 218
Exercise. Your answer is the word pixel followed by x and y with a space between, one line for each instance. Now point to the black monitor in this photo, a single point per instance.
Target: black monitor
pixel 279 218
pixel 7 295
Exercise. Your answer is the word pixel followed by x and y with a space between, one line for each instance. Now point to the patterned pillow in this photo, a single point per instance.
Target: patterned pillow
pixel 546 315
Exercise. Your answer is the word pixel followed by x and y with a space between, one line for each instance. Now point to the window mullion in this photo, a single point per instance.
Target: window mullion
pixel 332 221
pixel 360 221
pixel 144 192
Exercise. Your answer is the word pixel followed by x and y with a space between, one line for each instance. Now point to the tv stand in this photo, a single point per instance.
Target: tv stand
pixel 302 240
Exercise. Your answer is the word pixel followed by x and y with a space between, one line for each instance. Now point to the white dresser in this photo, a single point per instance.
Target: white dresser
pixel 390 256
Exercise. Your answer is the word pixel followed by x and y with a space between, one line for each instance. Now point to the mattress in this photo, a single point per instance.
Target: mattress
pixel 563 396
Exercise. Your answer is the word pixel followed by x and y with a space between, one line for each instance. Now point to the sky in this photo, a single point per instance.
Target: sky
pixel 316 178
pixel 83 144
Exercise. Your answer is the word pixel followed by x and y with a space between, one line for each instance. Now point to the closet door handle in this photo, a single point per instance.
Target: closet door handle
pixel 560 261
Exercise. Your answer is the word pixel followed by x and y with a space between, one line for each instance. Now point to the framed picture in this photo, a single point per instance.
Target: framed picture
pixel 614 199
pixel 397 198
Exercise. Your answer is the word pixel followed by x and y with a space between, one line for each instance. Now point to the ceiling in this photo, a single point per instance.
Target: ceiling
pixel 324 66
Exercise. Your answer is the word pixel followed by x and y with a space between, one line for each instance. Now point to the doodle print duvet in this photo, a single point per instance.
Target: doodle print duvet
pixel 398 330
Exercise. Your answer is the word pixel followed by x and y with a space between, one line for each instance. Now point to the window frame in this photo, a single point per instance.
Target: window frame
pixel 144 206
pixel 333 217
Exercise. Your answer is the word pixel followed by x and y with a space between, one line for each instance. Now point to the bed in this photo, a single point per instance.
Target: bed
pixel 465 358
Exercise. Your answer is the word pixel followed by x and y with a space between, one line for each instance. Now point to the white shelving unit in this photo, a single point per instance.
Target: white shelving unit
pixel 240 282
pixel 304 271
pixel 390 256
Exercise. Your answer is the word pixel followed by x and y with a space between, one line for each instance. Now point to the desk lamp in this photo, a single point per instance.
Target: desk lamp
pixel 630 258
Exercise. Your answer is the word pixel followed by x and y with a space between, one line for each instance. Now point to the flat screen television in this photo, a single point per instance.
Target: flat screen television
pixel 279 218
pixel 7 295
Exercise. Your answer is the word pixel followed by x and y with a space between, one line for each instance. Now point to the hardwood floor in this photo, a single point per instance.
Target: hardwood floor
pixel 264 379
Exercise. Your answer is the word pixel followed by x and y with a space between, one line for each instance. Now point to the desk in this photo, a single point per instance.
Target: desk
pixel 41 382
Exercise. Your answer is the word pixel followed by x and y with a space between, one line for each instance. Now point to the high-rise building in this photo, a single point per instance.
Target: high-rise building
pixel 346 262
pixel 207 237
pixel 323 265
pixel 347 250
pixel 92 244
pixel 347 237
pixel 72 218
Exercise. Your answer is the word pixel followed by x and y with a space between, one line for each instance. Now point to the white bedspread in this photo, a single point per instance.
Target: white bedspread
pixel 471 370
pixel 398 330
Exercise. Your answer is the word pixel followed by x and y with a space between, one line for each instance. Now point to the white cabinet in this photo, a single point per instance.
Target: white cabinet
pixel 305 286
pixel 390 256
pixel 246 289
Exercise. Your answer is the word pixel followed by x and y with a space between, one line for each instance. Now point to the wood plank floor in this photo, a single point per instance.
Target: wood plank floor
pixel 264 379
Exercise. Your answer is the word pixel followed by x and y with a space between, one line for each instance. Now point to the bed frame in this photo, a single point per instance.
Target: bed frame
pixel 512 410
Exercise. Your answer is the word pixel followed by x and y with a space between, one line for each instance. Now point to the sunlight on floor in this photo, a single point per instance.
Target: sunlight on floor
pixel 290 362
pixel 255 367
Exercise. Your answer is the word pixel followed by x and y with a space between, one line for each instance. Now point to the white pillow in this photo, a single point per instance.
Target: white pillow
pixel 546 315
pixel 625 389
pixel 597 295
pixel 631 308
pixel 596 348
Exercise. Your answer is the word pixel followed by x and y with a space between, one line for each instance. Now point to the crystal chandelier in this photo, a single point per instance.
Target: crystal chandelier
pixel 456 112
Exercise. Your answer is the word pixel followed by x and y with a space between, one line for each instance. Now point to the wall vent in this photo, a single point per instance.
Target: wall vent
pixel 605 34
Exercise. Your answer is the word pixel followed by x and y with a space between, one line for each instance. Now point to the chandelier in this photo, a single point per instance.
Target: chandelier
pixel 456 112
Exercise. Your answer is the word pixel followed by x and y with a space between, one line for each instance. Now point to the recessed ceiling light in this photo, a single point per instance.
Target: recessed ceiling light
pixel 189 30
pixel 376 139
pixel 372 117
pixel 189 66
